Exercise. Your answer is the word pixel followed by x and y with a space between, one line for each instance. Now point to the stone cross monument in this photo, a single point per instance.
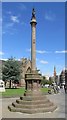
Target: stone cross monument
pixel 33 78
pixel 33 41
pixel 33 101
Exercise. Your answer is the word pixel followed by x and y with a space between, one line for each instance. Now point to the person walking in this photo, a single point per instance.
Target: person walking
pixel 65 88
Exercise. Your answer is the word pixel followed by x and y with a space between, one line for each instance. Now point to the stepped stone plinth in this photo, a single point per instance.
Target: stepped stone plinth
pixel 33 101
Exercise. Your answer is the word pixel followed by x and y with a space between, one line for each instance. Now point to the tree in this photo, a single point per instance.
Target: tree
pixel 51 80
pixel 11 71
pixel 43 81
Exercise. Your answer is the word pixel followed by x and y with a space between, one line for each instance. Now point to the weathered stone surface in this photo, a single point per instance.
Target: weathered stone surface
pixel 32 101
pixel 34 110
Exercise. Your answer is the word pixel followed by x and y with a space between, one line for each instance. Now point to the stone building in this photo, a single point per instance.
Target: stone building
pixel 62 78
pixel 26 67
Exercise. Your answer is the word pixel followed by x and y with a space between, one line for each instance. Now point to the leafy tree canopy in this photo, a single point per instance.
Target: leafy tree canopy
pixel 11 70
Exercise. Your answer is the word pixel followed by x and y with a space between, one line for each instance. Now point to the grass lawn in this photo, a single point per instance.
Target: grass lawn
pixel 18 92
pixel 45 90
pixel 13 92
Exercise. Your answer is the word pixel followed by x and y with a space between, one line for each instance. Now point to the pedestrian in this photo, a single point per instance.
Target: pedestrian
pixel 57 88
pixel 54 89
pixel 65 88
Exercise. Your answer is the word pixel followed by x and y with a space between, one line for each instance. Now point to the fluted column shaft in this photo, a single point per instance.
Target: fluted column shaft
pixel 33 47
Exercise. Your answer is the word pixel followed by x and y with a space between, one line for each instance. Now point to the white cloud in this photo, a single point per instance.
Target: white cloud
pixel 43 62
pixel 64 51
pixel 18 59
pixel 3 59
pixel 38 51
pixel 8 26
pixel 1 53
pixel 41 51
pixel 50 16
pixel 28 50
pixel 14 19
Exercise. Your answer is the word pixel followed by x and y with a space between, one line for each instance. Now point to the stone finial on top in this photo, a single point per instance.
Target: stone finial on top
pixel 33 13
pixel 33 19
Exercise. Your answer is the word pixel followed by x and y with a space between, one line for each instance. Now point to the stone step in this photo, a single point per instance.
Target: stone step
pixel 31 105
pixel 31 111
pixel 32 102
pixel 32 97
pixel 35 93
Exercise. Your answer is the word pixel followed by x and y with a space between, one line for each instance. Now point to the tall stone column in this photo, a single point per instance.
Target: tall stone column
pixel 33 101
pixel 33 41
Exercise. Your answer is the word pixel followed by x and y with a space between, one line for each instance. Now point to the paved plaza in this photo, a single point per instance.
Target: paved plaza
pixel 58 99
